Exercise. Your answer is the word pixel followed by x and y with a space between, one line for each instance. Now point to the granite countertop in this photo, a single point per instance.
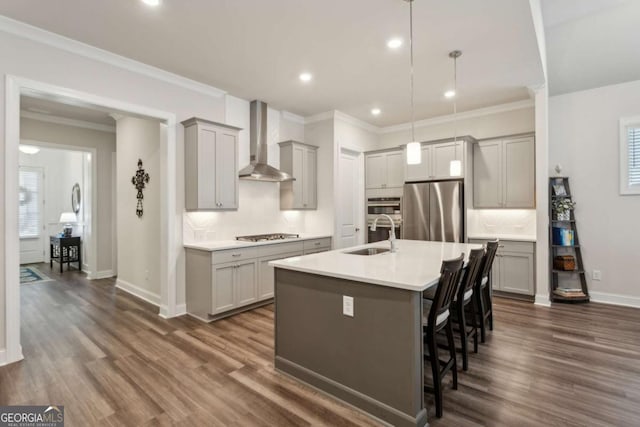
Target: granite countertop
pixel 415 266
pixel 216 245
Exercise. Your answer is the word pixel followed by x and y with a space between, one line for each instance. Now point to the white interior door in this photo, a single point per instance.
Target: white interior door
pixel 349 197
pixel 31 215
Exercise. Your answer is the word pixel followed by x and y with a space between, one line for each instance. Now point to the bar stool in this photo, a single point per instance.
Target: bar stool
pixel 482 290
pixel 435 318
pixel 464 299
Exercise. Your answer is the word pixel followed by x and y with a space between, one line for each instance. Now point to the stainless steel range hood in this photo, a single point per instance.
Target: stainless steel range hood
pixel 258 169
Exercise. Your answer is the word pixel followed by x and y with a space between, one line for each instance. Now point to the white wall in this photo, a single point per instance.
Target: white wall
pixel 138 237
pixel 259 202
pixel 62 169
pixel 322 135
pixel 105 144
pixel 583 129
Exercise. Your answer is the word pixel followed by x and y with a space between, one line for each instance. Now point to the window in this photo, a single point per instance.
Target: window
pixel 630 155
pixel 30 181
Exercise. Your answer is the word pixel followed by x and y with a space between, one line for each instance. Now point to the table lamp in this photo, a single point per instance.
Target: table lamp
pixel 67 218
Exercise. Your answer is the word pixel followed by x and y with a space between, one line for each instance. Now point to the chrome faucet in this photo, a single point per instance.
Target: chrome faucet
pixel 392 231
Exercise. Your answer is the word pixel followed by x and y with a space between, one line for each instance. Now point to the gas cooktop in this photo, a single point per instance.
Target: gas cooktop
pixel 267 237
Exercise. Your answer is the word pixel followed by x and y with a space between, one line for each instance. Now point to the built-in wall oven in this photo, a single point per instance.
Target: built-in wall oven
pixel 383 205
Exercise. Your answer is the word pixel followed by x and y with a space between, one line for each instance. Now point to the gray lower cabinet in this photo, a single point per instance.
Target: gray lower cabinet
pixel 219 283
pixel 514 267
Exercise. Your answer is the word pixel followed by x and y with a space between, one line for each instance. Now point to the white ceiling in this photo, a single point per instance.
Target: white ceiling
pixel 46 107
pixel 591 43
pixel 255 49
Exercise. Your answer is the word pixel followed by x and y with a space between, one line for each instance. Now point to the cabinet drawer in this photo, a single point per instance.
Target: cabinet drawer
pixel 317 244
pixel 230 255
pixel 280 248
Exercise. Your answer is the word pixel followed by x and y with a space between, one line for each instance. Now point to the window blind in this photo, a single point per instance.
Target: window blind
pixel 633 155
pixel 29 204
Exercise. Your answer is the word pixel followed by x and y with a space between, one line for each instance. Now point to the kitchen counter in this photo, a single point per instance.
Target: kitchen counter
pixel 216 245
pixel 415 266
pixel 511 237
pixel 351 325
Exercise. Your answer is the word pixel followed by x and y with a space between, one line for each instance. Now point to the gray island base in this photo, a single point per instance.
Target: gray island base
pixel 372 360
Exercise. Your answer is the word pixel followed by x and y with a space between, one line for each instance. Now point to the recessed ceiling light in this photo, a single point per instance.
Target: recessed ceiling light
pixel 375 111
pixel 305 77
pixel 394 43
pixel 450 94
pixel 29 149
pixel 151 2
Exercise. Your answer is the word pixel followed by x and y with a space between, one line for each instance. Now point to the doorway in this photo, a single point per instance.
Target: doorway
pixel 15 87
pixel 349 211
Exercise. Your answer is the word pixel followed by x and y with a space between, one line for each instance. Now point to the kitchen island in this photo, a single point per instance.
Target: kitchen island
pixel 365 349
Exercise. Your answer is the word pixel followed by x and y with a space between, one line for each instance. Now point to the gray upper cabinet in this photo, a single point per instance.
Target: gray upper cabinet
pixel 504 173
pixel 300 161
pixel 435 162
pixel 211 165
pixel 385 169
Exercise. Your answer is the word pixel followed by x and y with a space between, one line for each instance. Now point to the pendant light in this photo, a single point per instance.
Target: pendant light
pixel 455 167
pixel 414 152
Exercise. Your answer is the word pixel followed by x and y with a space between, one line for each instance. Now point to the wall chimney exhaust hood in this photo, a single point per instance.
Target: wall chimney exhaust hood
pixel 258 169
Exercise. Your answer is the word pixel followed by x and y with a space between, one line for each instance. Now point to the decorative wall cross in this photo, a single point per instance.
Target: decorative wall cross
pixel 139 180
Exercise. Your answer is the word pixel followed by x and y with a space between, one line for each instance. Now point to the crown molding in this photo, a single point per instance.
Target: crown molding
pixel 39 35
pixel 319 117
pixel 480 112
pixel 339 115
pixel 292 117
pixel 66 121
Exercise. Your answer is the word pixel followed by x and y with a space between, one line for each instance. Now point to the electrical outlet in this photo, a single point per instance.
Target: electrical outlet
pixel 597 275
pixel 347 306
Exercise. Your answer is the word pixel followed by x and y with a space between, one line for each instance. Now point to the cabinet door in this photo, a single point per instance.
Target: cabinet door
pixel 310 199
pixel 395 170
pixel 246 282
pixel 376 173
pixel 443 154
pixel 266 274
pixel 222 295
pixel 206 175
pixel 226 181
pixel 297 171
pixel 423 170
pixel 516 273
pixel 487 175
pixel 519 174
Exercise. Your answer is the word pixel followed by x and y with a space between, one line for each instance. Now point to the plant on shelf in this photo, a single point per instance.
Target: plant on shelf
pixel 562 208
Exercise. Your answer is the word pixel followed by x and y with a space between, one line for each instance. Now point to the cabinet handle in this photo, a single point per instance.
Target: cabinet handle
pixel 317 243
pixel 235 255
pixel 501 246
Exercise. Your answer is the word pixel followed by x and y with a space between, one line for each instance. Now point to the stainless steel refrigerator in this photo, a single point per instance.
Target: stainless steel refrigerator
pixel 433 211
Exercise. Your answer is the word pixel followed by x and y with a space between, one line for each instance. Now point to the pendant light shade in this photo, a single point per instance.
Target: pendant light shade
pixel 414 152
pixel 455 166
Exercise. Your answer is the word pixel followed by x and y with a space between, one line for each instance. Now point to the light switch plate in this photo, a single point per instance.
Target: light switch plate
pixel 597 275
pixel 347 306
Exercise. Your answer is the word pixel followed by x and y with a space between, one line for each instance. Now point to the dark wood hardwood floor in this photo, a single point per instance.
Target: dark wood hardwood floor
pixel 111 360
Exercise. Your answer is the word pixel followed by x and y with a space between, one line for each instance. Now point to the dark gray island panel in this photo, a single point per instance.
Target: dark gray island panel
pixel 372 360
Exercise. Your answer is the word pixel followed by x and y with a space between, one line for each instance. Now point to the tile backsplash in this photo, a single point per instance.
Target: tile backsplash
pixel 521 222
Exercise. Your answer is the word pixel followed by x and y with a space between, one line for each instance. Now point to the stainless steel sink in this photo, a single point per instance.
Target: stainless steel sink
pixel 368 251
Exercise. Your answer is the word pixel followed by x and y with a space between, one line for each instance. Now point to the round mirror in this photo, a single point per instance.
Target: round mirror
pixel 75 198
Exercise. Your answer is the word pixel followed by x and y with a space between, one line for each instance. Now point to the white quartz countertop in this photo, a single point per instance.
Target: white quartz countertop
pixel 510 237
pixel 217 245
pixel 415 266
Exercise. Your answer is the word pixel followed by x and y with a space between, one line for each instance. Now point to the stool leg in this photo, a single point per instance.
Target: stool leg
pixel 452 353
pixel 435 369
pixel 463 335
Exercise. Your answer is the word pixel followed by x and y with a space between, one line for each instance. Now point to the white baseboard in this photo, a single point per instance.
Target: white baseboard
pixel 615 299
pixel 104 274
pixel 542 300
pixel 181 309
pixel 134 290
pixel 3 357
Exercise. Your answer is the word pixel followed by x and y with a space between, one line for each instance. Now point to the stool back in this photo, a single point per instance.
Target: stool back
pixel 447 288
pixel 471 273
